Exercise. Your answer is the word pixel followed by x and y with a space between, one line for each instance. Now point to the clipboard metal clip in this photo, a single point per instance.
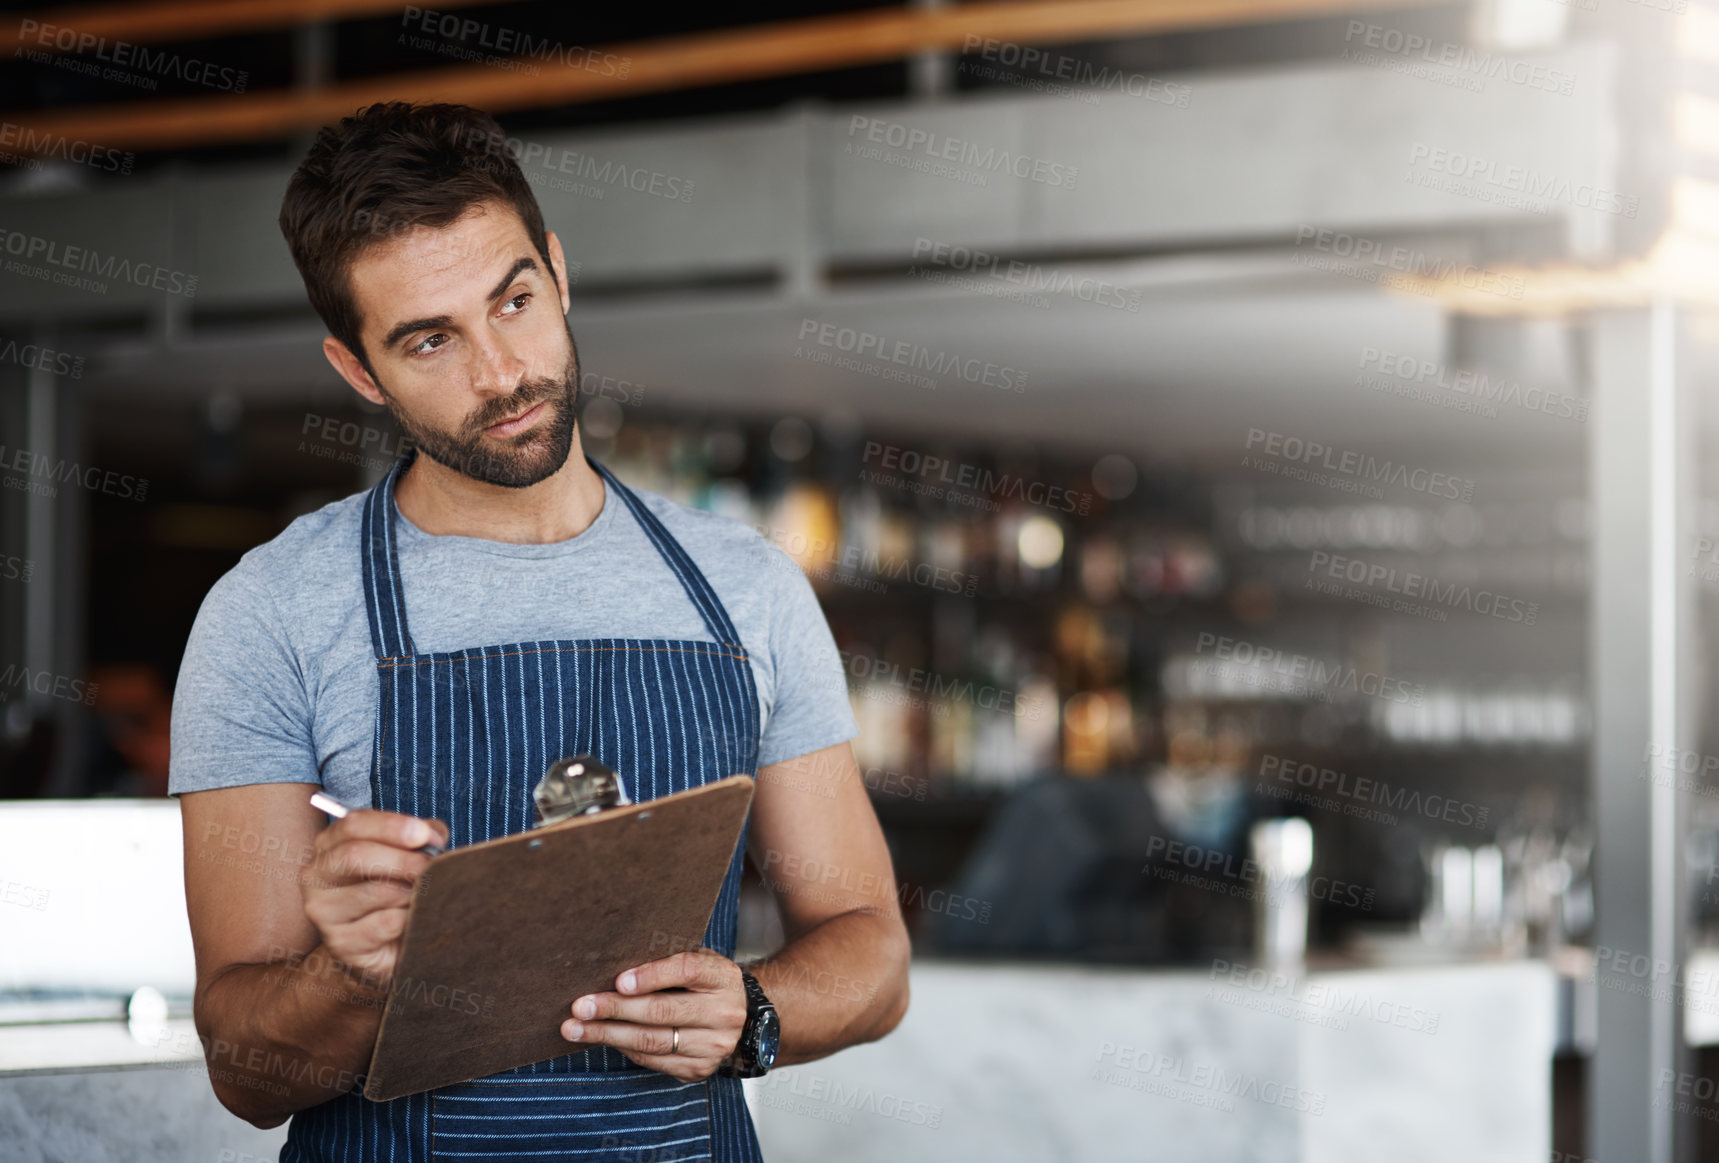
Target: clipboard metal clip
pixel 579 786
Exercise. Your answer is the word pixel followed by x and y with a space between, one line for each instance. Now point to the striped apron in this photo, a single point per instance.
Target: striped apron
pixel 463 736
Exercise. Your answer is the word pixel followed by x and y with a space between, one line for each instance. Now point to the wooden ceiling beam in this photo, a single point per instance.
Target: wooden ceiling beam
pixel 725 56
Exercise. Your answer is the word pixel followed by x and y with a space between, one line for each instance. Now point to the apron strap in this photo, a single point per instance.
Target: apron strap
pixel 692 579
pixel 385 597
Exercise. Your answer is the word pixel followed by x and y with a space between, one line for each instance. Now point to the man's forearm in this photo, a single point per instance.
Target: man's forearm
pixel 287 1035
pixel 839 984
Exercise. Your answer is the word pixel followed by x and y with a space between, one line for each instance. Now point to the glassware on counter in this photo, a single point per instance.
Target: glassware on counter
pixel 1464 910
pixel 1283 852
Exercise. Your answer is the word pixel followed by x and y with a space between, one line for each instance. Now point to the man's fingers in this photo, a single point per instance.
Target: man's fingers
pixel 352 861
pixel 360 943
pixel 697 992
pixel 380 927
pixel 695 1043
pixel 668 1008
pixel 357 900
pixel 694 969
pixel 390 828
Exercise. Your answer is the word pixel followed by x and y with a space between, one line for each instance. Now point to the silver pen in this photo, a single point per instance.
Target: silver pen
pixel 340 811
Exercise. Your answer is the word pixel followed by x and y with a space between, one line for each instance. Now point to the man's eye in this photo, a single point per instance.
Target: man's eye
pixel 435 342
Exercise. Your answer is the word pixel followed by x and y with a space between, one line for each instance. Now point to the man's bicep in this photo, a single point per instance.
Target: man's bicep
pixel 245 848
pixel 815 839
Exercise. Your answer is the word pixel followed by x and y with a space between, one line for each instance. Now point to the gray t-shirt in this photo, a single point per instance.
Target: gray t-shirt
pixel 279 682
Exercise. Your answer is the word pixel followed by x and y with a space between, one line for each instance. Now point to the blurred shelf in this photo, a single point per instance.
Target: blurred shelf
pixel 842 594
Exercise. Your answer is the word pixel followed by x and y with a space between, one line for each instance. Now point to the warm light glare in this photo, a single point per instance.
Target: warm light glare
pixel 1695 122
pixel 1698 34
pixel 1040 542
pixel 1695 205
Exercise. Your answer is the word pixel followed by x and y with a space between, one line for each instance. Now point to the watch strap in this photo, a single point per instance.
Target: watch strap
pixel 739 1064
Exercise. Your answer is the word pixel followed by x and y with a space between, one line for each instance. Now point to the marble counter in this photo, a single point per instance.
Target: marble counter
pixel 90 1092
pixel 1036 1064
pixel 992 1063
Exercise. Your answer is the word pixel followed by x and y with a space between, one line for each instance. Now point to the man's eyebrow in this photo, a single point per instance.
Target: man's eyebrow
pixel 400 330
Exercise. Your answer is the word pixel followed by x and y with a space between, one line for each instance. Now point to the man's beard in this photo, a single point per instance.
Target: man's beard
pixel 514 463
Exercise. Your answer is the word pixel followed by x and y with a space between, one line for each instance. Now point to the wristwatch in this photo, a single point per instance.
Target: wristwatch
pixel 755 1053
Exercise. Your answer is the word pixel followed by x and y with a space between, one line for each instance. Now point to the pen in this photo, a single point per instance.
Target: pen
pixel 339 811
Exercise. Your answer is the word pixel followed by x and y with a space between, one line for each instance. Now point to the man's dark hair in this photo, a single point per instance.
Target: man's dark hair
pixel 388 169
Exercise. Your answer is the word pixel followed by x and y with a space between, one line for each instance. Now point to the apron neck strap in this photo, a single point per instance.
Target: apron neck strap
pixel 692 579
pixel 385 597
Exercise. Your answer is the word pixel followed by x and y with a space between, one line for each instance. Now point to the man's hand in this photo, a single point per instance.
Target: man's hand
pixel 358 886
pixel 699 992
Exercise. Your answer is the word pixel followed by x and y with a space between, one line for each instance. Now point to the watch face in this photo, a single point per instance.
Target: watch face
pixel 768 1038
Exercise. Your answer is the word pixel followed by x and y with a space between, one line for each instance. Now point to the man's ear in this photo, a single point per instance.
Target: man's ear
pixel 558 263
pixel 351 369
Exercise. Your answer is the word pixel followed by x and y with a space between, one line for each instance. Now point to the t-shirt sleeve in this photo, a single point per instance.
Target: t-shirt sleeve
pixel 811 708
pixel 240 711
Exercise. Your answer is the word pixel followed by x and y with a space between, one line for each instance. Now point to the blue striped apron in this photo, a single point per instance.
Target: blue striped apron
pixel 463 736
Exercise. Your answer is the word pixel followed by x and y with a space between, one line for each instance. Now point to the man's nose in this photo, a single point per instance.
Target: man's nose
pixel 496 370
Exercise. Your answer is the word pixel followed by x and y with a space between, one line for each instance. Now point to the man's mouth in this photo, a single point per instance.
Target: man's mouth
pixel 518 424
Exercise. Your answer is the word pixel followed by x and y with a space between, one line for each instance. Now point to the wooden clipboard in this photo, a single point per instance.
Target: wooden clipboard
pixel 503 935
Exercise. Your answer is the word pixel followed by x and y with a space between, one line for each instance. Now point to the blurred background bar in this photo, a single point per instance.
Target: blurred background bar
pixel 1193 417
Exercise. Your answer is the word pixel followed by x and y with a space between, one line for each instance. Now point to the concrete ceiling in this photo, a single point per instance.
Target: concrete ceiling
pixel 1208 356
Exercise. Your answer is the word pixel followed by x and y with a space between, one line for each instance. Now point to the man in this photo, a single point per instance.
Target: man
pixel 402 649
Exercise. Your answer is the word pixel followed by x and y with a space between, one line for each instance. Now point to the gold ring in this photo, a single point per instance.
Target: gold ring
pixel 675 1047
